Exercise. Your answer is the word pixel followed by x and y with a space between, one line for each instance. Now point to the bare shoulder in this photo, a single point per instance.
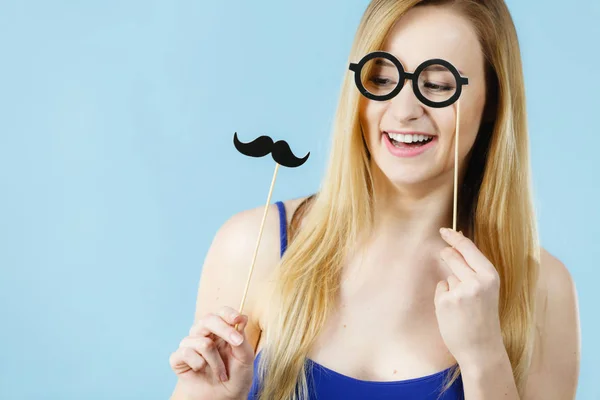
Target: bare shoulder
pixel 227 264
pixel 555 364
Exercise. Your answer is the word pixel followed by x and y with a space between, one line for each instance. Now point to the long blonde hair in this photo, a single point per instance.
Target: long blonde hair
pixel 495 206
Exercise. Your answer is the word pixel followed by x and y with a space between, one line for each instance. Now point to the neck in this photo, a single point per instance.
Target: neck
pixel 412 214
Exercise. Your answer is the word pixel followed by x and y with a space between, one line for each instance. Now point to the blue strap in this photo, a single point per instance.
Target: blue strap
pixel 282 226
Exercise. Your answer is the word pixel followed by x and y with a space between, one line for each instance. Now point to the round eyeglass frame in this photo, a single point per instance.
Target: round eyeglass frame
pixel 403 75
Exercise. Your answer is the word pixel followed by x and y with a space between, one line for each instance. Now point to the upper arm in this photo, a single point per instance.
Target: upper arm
pixel 554 371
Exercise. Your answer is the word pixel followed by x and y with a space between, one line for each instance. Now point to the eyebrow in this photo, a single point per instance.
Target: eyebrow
pixel 383 61
pixel 434 67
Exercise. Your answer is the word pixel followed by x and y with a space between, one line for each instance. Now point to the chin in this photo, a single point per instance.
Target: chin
pixel 412 180
pixel 403 175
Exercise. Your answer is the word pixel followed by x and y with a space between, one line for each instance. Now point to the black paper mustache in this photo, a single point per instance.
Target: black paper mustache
pixel 263 145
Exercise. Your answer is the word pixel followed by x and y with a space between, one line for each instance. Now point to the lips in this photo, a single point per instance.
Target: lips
pixel 408 144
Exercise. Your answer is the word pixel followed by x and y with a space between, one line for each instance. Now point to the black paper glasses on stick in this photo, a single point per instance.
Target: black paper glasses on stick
pixel 380 76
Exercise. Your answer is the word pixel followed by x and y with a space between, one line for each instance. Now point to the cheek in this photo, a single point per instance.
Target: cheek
pixel 468 128
pixel 371 114
pixel 471 113
pixel 446 123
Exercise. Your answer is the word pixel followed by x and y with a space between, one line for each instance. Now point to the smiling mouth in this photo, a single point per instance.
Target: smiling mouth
pixel 408 140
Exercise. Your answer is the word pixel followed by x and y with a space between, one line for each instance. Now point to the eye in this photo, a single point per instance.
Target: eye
pixel 438 87
pixel 381 81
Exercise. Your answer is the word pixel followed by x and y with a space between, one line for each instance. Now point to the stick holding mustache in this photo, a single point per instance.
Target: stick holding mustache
pixel 283 155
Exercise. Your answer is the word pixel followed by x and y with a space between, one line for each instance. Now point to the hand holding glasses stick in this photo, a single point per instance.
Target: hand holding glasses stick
pixel 282 154
pixel 436 83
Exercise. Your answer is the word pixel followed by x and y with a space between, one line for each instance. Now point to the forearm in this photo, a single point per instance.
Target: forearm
pixel 489 378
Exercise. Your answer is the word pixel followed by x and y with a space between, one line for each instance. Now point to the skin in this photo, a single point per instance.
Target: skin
pixel 431 300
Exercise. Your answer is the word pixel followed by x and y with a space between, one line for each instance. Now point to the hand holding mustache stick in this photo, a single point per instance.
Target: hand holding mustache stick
pixel 282 154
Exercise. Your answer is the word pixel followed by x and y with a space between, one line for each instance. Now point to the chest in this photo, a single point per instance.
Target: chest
pixel 383 328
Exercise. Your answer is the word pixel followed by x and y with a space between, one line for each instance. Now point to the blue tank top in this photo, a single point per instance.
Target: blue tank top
pixel 327 384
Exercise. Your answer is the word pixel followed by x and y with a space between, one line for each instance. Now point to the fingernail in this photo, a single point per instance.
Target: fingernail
pixel 445 232
pixel 223 377
pixel 236 338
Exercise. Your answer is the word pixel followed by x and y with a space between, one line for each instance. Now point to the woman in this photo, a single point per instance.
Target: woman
pixel 371 299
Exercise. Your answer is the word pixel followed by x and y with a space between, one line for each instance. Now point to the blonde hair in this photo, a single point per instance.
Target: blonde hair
pixel 495 203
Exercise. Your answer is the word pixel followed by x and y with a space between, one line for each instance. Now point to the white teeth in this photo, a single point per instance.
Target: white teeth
pixel 399 137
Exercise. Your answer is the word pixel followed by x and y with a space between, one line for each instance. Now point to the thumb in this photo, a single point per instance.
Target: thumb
pixel 442 287
pixel 244 352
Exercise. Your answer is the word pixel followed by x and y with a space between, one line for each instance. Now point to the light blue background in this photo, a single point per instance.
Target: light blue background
pixel 116 166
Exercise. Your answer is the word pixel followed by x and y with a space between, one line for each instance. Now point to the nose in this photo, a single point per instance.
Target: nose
pixel 405 106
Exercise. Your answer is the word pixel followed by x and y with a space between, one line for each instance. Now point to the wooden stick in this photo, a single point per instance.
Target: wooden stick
pixel 262 225
pixel 454 211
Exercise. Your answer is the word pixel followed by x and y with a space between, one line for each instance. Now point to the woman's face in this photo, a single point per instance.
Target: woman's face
pixel 422 34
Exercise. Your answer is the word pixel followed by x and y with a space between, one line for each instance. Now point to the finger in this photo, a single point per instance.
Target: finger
pixel 195 361
pixel 471 254
pixel 453 282
pixel 214 324
pixel 457 264
pixel 186 358
pixel 208 350
pixel 177 364
pixel 441 287
pixel 244 353
pixel 242 322
pixel 228 314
